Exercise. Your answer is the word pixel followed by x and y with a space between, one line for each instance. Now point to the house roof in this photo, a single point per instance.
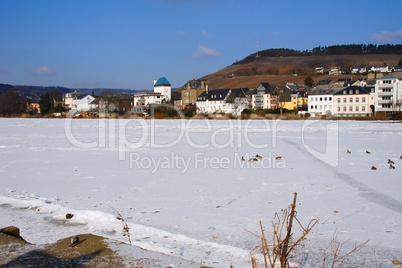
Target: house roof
pixel 146 93
pixel 324 82
pixel 80 97
pixel 221 94
pixel 323 91
pixel 162 81
pixel 354 90
pixel 236 92
pixel 268 89
pixel 194 84
pixel 395 75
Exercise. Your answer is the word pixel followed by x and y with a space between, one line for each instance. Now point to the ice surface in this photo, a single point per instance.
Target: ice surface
pixel 184 190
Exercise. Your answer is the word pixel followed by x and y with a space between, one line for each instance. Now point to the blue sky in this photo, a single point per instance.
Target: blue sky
pixel 128 43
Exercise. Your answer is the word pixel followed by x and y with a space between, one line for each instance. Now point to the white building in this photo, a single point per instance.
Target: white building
pixel 335 70
pixel 319 70
pixel 358 69
pixel 380 69
pixel 388 93
pixel 163 87
pixel 84 103
pixel 264 97
pixel 321 102
pixel 227 101
pixel 147 97
pixel 69 98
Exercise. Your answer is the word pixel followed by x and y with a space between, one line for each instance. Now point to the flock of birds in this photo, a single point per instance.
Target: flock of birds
pixel 257 157
pixel 390 162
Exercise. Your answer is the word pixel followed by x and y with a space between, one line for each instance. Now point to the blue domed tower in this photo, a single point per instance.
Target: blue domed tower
pixel 163 86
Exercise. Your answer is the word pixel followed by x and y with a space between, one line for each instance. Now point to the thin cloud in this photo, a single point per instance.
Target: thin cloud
pixel 205 52
pixel 206 34
pixel 42 70
pixel 387 36
pixel 181 33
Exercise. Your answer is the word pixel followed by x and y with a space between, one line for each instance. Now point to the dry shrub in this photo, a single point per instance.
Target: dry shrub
pixel 282 246
pixel 270 116
pixel 260 113
pixel 126 228
pixel 159 116
pixel 335 255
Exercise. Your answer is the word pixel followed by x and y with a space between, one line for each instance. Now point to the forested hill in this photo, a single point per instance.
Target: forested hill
pixel 34 93
pixel 360 49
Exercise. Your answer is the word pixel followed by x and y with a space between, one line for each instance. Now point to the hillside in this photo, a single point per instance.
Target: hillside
pixel 276 70
pixel 34 93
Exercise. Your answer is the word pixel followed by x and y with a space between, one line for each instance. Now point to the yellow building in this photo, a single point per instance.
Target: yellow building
pixel 291 97
pixel 192 89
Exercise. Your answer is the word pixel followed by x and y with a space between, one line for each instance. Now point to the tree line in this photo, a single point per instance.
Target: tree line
pixel 13 103
pixel 352 49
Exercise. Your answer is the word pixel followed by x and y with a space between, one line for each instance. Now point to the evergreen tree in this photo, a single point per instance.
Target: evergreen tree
pixel 45 104
pixel 11 103
pixel 309 81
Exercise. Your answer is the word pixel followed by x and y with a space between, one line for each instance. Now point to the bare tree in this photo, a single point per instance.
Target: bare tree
pixel 282 97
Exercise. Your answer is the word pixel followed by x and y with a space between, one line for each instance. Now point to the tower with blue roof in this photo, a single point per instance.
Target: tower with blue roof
pixel 163 86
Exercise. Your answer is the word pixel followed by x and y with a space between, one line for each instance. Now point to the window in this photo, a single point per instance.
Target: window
pixel 357 99
pixel 330 98
pixel 363 99
pixel 351 100
pixel 344 108
pixel 357 108
pixel 339 100
pixel 350 108
pixel 312 107
pixel 339 108
pixel 363 108
pixel 320 99
pixel 325 98
pixel 344 100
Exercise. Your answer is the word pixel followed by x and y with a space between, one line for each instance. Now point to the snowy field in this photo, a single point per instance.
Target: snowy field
pixel 184 190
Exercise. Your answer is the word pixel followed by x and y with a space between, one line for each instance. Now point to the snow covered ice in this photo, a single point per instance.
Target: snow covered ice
pixel 185 191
